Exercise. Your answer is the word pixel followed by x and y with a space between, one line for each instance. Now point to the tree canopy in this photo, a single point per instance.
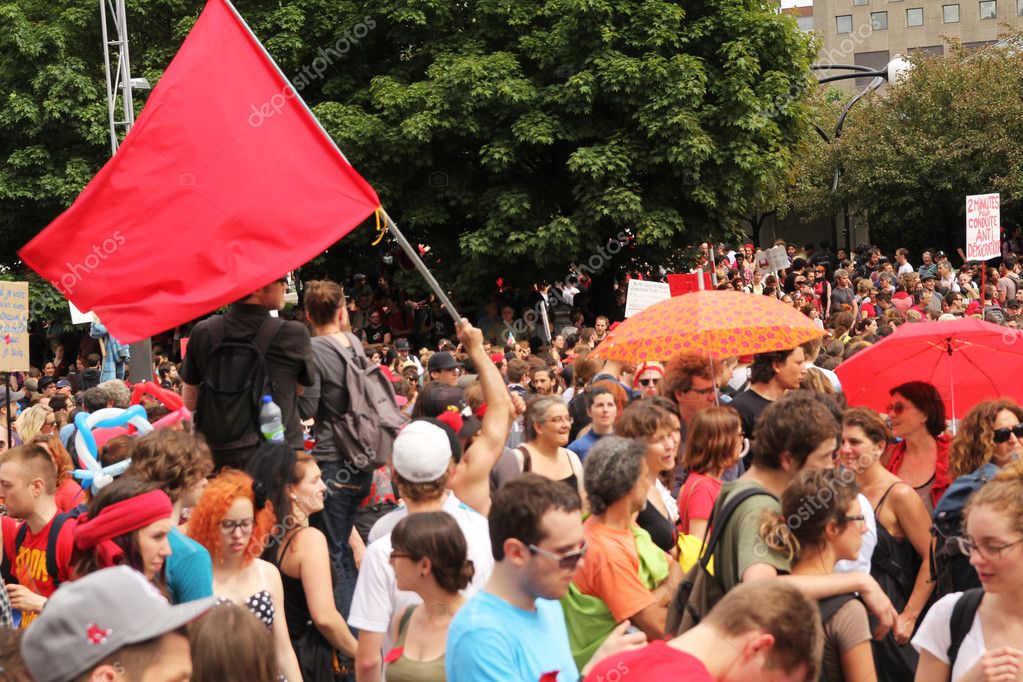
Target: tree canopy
pixel 512 137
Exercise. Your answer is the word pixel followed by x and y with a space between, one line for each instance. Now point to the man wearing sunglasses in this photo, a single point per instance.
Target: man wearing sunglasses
pixel 514 629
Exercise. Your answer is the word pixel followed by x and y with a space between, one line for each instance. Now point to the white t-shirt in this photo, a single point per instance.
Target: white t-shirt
pixel 869 542
pixel 906 269
pixel 934 636
pixel 377 597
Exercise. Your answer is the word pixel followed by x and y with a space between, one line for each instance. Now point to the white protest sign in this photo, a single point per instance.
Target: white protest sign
pixel 77 316
pixel 643 294
pixel 763 262
pixel 14 326
pixel 983 227
pixel 779 257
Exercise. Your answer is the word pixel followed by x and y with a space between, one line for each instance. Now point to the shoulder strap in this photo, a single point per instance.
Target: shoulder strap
pixel 961 621
pixel 19 538
pixel 51 544
pixel 217 330
pixel 880 503
pixel 829 606
pixel 723 517
pixel 267 331
pixel 527 460
pixel 405 618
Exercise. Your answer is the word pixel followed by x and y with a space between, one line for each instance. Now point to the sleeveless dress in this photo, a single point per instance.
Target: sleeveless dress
pixel 316 657
pixel 894 566
pixel 527 465
pixel 400 668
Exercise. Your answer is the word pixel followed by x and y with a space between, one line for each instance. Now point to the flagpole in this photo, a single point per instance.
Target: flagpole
pixel 399 237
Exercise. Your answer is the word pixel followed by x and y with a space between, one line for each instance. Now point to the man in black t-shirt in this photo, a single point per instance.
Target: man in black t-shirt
pixel 771 376
pixel 289 360
pixel 376 335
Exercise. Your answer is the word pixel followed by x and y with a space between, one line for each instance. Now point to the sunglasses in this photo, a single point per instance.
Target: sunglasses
pixel 567 561
pixel 649 382
pixel 1002 435
pixel 895 408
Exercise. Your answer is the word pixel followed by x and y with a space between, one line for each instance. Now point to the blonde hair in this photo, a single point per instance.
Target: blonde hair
pixel 30 422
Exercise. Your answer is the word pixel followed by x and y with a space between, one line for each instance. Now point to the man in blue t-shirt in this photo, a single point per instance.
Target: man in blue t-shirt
pixel 178 463
pixel 514 629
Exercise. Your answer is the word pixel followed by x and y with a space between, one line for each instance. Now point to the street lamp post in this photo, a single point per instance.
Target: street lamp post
pixel 895 72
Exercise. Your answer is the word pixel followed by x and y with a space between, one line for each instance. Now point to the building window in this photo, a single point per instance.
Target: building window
pixel 843 23
pixel 988 9
pixel 857 3
pixel 1019 8
pixel 879 21
pixel 915 16
pixel 950 13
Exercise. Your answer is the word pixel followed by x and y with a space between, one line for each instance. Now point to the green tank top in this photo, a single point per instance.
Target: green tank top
pixel 404 669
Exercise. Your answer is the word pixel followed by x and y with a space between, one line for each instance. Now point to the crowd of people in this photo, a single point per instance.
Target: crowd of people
pixel 504 504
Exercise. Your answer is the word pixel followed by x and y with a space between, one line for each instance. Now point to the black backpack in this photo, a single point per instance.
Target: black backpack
pixel 828 607
pixel 700 591
pixel 950 568
pixel 962 620
pixel 51 543
pixel 236 378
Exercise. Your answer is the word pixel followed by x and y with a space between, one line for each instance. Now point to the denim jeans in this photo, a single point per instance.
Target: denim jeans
pixel 346 487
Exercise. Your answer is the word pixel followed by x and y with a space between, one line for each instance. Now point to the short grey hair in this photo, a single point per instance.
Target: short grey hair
pixel 840 273
pixel 118 392
pixel 612 468
pixel 536 411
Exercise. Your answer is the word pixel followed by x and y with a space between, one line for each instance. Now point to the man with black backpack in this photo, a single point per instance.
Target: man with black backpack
pixel 37 551
pixel 233 360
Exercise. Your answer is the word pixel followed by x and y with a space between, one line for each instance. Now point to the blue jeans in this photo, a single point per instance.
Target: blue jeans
pixel 346 487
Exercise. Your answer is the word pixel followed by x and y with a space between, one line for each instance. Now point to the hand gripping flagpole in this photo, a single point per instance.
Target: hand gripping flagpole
pixel 398 236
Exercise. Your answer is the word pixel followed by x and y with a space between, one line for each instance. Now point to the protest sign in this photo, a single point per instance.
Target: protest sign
pixel 14 326
pixel 77 316
pixel 687 283
pixel 643 294
pixel 983 227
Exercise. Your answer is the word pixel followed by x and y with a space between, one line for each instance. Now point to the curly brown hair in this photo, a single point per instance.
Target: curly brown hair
pixel 679 373
pixel 974 444
pixel 175 461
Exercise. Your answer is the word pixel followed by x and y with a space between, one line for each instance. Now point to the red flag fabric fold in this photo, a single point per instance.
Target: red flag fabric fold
pixel 225 183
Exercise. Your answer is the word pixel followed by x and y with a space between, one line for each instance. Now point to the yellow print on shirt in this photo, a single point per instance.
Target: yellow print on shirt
pixel 32 563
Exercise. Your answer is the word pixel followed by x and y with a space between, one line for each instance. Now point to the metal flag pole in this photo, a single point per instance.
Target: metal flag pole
pixel 7 390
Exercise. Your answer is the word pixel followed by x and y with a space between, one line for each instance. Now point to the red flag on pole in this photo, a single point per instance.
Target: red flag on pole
pixel 225 183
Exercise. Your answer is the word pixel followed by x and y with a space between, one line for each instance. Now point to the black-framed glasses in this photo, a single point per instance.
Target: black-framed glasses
pixel 986 550
pixel 703 391
pixel 566 561
pixel 1002 435
pixel 228 526
pixel 856 517
pixel 649 382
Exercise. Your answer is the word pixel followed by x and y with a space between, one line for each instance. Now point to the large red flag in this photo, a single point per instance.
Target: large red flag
pixel 225 183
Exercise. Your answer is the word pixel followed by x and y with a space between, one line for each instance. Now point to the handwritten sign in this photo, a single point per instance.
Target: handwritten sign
pixel 643 294
pixel 983 227
pixel 14 326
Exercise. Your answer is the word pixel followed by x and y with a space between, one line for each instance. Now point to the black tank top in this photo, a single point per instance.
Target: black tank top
pixel 662 531
pixel 527 465
pixel 296 608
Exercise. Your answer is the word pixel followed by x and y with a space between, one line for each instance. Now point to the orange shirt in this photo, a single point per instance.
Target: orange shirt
pixel 610 571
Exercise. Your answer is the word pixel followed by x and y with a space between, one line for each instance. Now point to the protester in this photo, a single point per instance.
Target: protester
pixel 917 414
pixel 988 645
pixel 538 543
pixel 229 644
pixel 647 377
pixel 292 486
pixel 38 419
pixel 429 557
pixel 656 428
pixel 111 625
pixel 900 559
pixel 771 375
pixel 227 523
pixel 689 382
pixel 609 587
pixel 69 494
pixel 603 413
pixel 820 524
pixel 127 524
pixel 990 432
pixel 715 446
pixel 546 430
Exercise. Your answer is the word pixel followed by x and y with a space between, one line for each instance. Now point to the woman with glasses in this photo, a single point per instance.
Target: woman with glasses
pixel 920 455
pixel 900 562
pixel 429 557
pixel 989 433
pixel 658 430
pixel 978 634
pixel 821 524
pixel 547 426
pixel 227 524
pixel 38 419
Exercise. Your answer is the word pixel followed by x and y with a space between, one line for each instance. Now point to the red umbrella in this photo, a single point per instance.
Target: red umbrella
pixel 967 360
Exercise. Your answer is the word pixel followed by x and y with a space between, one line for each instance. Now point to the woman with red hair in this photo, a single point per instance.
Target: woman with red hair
pixel 227 524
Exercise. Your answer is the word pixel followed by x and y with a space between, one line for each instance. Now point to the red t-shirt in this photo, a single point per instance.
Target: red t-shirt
pixel 29 567
pixel 696 499
pixel 655 661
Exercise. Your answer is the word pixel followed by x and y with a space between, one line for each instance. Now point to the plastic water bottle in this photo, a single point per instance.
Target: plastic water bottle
pixel 270 422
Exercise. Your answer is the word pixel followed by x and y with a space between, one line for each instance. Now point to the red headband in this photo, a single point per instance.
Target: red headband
pixel 646 367
pixel 120 519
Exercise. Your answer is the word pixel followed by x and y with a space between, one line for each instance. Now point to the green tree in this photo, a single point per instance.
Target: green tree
pixel 513 138
pixel 911 153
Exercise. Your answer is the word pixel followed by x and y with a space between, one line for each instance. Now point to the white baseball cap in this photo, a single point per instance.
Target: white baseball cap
pixel 422 452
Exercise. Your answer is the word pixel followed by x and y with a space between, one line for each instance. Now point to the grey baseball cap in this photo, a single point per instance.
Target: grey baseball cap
pixel 90 619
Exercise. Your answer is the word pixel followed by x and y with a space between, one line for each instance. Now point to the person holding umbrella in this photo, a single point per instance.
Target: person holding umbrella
pixel 920 458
